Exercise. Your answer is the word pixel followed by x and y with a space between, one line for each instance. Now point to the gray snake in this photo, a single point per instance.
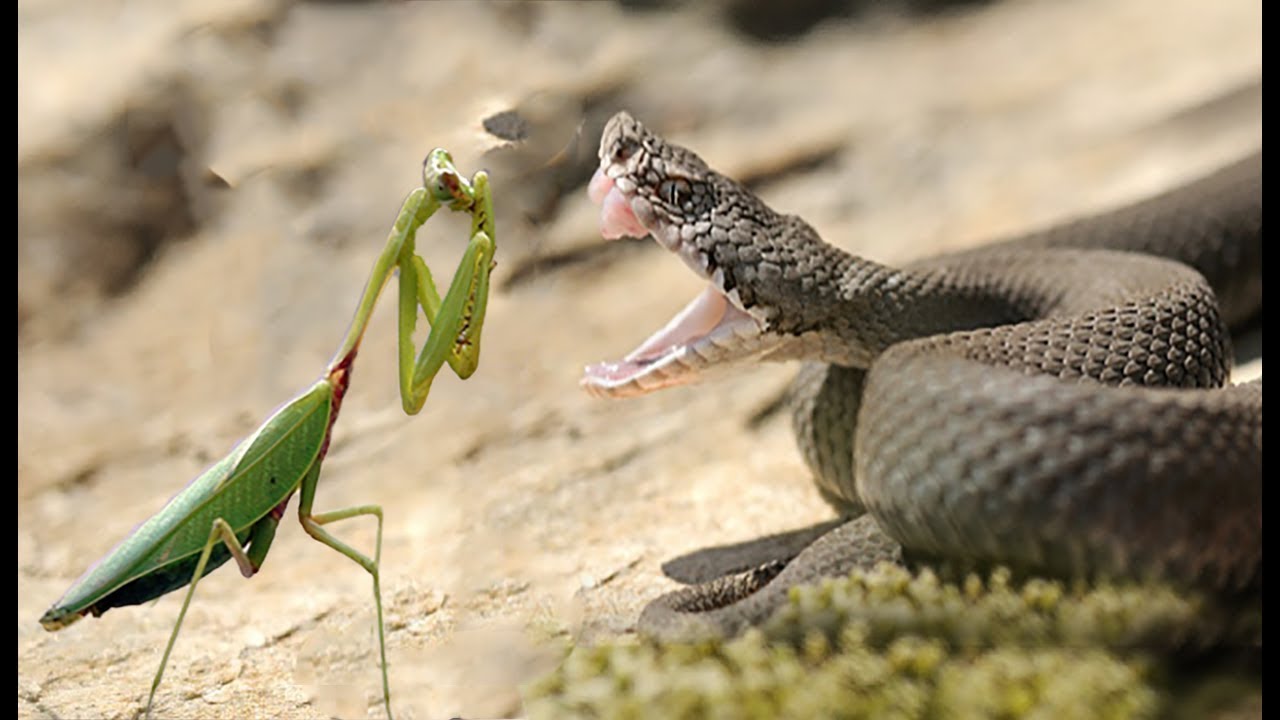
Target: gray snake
pixel 1057 403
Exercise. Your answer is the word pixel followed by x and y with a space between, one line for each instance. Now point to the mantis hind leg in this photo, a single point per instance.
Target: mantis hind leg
pixel 312 523
pixel 261 534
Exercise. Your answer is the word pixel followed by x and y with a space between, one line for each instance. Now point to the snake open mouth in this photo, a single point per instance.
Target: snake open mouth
pixel 713 329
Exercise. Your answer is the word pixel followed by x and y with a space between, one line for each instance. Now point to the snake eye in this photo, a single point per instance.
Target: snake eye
pixel 675 192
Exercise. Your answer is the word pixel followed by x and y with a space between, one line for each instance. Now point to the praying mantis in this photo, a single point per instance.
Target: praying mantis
pixel 232 510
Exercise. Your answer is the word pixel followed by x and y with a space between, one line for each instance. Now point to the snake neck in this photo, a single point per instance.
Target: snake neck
pixel 828 305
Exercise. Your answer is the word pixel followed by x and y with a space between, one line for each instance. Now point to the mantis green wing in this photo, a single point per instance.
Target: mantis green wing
pixel 248 489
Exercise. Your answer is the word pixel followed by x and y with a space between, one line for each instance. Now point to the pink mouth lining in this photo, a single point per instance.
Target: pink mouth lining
pixel 616 218
pixel 600 185
pixel 698 319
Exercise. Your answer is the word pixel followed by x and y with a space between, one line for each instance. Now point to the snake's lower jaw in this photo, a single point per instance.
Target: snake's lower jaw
pixel 711 331
pixel 598 381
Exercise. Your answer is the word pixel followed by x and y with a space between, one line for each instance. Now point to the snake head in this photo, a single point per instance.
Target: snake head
pixel 648 186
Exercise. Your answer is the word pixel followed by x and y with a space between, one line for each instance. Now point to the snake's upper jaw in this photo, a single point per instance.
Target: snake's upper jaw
pixel 713 330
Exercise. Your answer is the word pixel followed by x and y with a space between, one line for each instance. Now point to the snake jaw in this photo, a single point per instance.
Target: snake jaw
pixel 702 335
pixel 713 330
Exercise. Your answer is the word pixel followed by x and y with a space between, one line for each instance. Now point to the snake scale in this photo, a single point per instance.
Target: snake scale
pixel 1057 403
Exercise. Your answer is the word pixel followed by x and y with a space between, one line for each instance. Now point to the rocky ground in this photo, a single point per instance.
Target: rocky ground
pixel 203 187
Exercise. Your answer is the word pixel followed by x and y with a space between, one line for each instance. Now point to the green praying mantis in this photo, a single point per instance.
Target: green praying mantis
pixel 232 510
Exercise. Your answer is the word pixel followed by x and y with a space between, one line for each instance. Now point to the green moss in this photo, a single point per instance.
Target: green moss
pixel 888 644
pixel 994 611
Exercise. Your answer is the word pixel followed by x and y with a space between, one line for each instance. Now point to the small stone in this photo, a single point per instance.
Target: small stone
pixel 29 690
pixel 254 638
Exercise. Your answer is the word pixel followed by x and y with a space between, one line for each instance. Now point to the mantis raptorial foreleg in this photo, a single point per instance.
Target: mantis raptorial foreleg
pixel 457 319
pixel 457 343
pixel 240 500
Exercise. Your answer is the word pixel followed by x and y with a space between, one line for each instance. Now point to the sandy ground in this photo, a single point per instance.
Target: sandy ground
pixel 204 186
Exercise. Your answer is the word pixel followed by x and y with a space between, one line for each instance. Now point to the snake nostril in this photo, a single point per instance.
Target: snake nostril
pixel 624 150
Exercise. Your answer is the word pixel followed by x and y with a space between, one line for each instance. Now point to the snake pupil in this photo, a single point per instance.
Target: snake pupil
pixel 672 191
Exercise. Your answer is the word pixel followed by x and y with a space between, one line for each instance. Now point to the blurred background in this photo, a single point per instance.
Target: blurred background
pixel 203 187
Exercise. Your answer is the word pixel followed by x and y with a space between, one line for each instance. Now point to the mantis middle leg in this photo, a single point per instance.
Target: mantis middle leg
pixel 260 537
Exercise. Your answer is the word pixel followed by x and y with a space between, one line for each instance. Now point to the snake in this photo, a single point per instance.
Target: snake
pixel 1057 403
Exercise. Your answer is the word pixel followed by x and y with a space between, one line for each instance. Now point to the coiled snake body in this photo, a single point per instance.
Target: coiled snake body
pixel 1054 403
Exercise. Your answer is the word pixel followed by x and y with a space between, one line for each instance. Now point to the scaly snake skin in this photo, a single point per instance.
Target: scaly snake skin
pixel 1053 403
